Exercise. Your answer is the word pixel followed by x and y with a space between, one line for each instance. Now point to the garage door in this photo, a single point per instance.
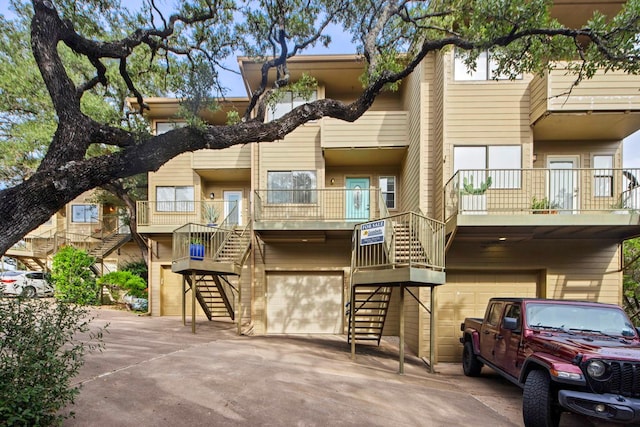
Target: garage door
pixel 304 303
pixel 466 295
pixel 170 295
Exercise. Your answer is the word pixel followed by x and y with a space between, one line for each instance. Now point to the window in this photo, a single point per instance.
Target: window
pixel 174 199
pixel 84 213
pixel 291 187
pixel 494 314
pixel 603 176
pixel 287 103
pixel 485 68
pixel 388 188
pixel 502 161
pixel 164 127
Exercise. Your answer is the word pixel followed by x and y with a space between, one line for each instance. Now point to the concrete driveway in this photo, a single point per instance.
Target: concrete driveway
pixel 155 372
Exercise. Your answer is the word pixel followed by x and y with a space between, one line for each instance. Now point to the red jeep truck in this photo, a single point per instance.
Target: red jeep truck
pixel 582 357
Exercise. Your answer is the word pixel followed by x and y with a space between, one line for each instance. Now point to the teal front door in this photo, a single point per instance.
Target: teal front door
pixel 357 199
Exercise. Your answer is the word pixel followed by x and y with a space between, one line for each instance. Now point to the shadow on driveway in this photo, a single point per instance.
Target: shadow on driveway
pixel 155 372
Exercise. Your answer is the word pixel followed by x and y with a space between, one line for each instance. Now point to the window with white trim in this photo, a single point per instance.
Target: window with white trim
pixel 291 187
pixel 287 103
pixel 84 213
pixel 388 189
pixel 175 199
pixel 502 162
pixel 603 176
pixel 164 127
pixel 485 68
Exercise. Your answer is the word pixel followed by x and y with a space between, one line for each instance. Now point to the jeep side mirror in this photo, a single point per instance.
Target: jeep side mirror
pixel 510 323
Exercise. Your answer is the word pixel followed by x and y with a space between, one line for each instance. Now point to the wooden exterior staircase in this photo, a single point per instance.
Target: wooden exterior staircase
pixel 410 254
pixel 215 277
pixel 370 307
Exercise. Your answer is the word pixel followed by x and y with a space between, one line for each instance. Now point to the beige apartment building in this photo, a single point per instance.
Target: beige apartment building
pixel 86 224
pixel 486 187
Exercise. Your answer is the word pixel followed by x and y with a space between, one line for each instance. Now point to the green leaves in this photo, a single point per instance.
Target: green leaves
pixel 40 352
pixel 73 279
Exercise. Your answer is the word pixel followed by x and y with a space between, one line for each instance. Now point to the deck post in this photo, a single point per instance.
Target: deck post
pixel 352 326
pixel 238 306
pixel 401 372
pixel 193 302
pixel 432 332
pixel 184 301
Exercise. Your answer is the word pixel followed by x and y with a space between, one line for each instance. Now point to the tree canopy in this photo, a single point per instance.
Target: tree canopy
pixel 83 53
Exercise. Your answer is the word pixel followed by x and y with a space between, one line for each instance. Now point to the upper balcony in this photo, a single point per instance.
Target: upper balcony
pixel 578 203
pixel 378 137
pixel 316 210
pixel 165 217
pixel 605 107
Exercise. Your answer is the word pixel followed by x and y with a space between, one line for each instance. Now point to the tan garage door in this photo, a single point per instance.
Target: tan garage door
pixel 304 303
pixel 466 295
pixel 170 295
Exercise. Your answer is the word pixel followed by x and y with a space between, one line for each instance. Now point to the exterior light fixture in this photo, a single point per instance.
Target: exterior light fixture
pixel 211 196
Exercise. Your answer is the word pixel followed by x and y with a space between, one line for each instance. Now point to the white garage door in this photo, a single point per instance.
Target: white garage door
pixel 304 303
pixel 466 295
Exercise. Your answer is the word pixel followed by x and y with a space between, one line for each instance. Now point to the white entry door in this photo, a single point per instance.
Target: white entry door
pixel 563 183
pixel 233 207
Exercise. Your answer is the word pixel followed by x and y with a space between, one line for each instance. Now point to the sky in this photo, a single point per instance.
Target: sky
pixel 341 44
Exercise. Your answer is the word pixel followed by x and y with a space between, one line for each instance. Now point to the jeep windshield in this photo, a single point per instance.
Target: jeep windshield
pixel 607 321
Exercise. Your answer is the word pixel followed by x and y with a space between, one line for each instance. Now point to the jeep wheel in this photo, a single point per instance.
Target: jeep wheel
pixel 470 363
pixel 539 405
pixel 29 292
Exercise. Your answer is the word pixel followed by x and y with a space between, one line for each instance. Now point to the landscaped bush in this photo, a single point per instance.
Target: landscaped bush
pixel 72 277
pixel 139 268
pixel 126 280
pixel 42 345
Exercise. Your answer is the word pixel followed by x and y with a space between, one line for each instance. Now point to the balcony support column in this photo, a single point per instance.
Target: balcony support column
pixel 193 302
pixel 401 368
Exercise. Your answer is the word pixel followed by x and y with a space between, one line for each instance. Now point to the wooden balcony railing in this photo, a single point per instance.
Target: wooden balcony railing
pixel 535 191
pixel 409 240
pixel 339 205
pixel 150 213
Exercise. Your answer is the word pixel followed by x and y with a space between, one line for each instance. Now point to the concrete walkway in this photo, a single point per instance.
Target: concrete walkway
pixel 155 372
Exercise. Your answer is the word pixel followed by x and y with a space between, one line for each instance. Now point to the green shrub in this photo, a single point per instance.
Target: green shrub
pixel 40 351
pixel 72 277
pixel 126 280
pixel 139 268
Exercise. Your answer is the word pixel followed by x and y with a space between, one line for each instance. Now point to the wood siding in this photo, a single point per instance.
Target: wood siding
pixel 238 157
pixel 375 129
pixel 300 151
pixel 176 172
pixel 611 91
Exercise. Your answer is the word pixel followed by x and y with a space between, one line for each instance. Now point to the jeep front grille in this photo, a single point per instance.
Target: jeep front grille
pixel 624 379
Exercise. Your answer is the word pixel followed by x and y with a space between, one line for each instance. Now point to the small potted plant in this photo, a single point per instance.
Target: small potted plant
pixel 474 199
pixel 543 206
pixel 210 214
pixel 196 249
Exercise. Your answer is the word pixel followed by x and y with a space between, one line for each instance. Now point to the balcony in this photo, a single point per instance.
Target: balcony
pixel 317 209
pixel 165 217
pixel 605 107
pixel 544 203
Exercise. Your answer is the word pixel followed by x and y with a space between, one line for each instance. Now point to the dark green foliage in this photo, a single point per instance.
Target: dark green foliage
pixel 126 280
pixel 72 277
pixel 139 268
pixel 631 285
pixel 42 345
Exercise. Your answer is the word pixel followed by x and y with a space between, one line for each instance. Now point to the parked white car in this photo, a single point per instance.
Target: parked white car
pixel 25 283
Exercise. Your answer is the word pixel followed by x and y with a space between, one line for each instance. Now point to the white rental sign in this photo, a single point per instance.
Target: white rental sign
pixel 372 233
